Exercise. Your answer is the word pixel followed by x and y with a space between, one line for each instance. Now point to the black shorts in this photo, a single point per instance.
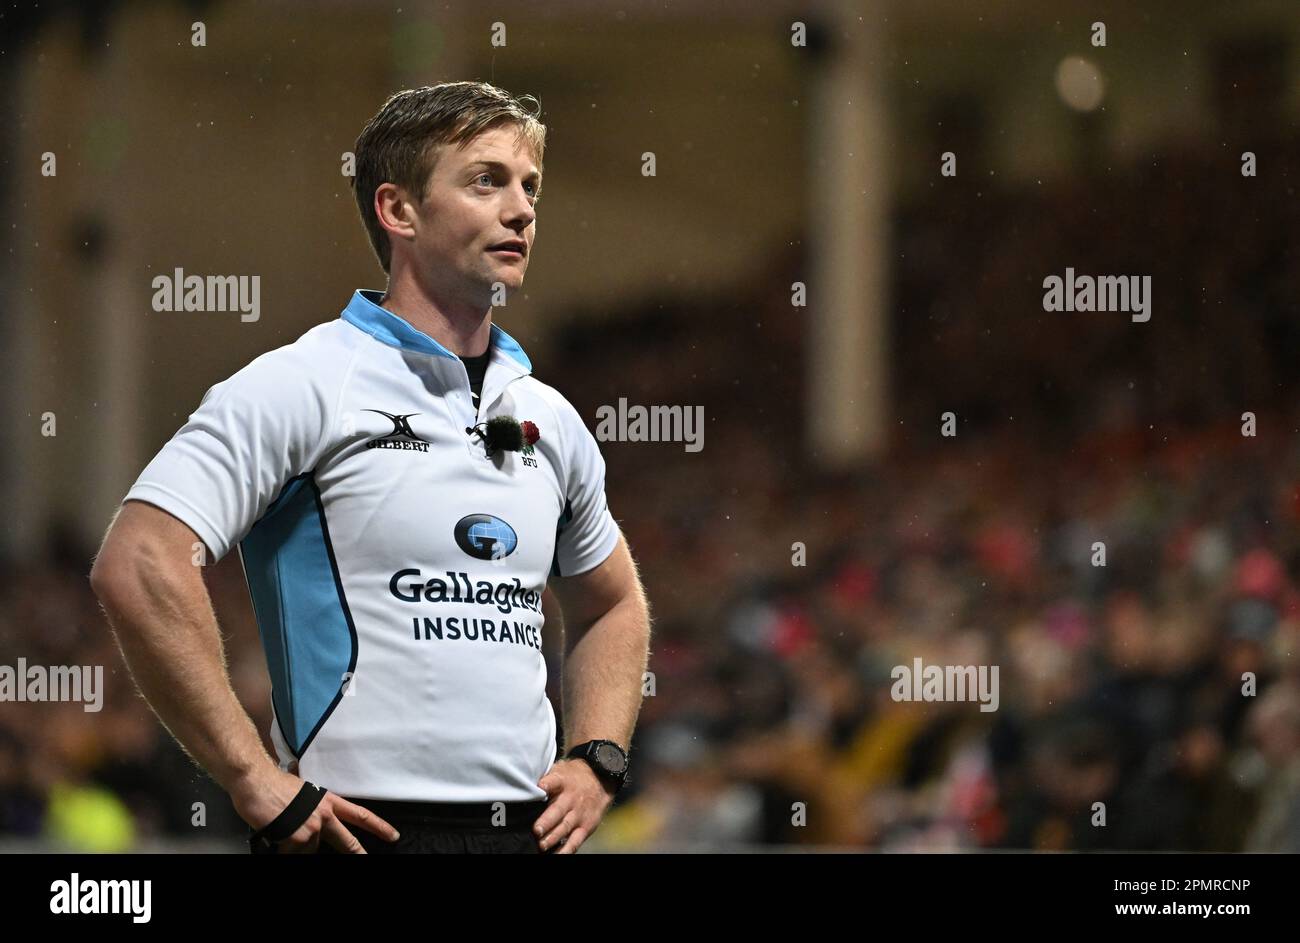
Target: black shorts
pixel 445 828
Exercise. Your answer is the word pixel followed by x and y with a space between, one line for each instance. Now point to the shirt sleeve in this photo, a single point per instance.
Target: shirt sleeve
pixel 587 533
pixel 250 435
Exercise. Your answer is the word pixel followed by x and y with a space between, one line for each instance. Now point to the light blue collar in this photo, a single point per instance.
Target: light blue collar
pixel 364 312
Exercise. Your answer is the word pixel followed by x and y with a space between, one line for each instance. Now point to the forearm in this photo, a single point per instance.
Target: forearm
pixel 168 634
pixel 604 670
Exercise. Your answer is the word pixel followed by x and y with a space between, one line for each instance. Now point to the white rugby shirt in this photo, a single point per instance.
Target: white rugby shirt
pixel 395 570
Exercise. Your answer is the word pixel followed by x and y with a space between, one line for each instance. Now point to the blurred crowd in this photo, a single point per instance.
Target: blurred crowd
pixel 1150 703
pixel 1157 694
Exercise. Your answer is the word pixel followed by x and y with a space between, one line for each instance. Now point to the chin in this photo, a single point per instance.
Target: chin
pixel 512 284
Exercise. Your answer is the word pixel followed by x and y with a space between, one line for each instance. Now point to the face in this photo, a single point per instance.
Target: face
pixel 478 197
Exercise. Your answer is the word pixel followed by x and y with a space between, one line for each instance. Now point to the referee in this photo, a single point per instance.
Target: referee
pixel 409 505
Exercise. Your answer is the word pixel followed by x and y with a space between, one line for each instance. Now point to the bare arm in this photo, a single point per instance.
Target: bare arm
pixel 158 607
pixel 149 581
pixel 607 647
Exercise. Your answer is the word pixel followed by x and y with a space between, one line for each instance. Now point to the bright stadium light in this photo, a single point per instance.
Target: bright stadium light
pixel 1079 83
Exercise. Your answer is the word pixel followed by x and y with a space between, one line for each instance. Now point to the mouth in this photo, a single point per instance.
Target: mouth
pixel 511 249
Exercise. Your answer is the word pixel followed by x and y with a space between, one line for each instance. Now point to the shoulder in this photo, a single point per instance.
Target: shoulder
pixel 314 354
pixel 566 417
pixel 573 445
pixel 311 367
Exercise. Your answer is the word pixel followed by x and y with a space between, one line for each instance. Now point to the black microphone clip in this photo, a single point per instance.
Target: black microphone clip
pixel 505 434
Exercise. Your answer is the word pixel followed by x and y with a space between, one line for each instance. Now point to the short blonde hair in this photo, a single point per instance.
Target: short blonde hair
pixel 402 142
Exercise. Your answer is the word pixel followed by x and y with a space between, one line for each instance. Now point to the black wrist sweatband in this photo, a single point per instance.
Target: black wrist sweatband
pixel 292 818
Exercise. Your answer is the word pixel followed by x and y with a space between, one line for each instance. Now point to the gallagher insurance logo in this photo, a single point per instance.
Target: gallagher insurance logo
pixel 485 537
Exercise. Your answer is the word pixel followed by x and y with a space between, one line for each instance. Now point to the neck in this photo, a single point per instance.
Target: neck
pixel 462 328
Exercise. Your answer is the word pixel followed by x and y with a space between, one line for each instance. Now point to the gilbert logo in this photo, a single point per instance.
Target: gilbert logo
pixel 102 897
pixel 402 436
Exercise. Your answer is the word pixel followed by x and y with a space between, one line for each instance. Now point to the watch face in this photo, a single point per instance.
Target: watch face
pixel 609 757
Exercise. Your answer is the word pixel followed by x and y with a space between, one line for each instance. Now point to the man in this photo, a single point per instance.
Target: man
pixel 400 488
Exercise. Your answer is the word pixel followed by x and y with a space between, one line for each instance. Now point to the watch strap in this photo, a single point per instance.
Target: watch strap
pixel 586 751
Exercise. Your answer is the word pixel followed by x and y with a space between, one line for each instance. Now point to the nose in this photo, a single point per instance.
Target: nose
pixel 520 211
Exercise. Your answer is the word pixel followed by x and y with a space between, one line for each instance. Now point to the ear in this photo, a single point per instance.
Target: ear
pixel 394 210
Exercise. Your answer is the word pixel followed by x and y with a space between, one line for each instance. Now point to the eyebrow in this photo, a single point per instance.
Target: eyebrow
pixel 497 165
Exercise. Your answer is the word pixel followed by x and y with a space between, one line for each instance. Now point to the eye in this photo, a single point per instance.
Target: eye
pixel 531 186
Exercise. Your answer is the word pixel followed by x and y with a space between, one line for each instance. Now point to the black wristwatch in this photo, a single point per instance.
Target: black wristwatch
pixel 606 757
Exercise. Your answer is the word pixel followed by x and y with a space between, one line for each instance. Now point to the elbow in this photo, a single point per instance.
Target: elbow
pixel 114 576
pixel 145 555
pixel 106 574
